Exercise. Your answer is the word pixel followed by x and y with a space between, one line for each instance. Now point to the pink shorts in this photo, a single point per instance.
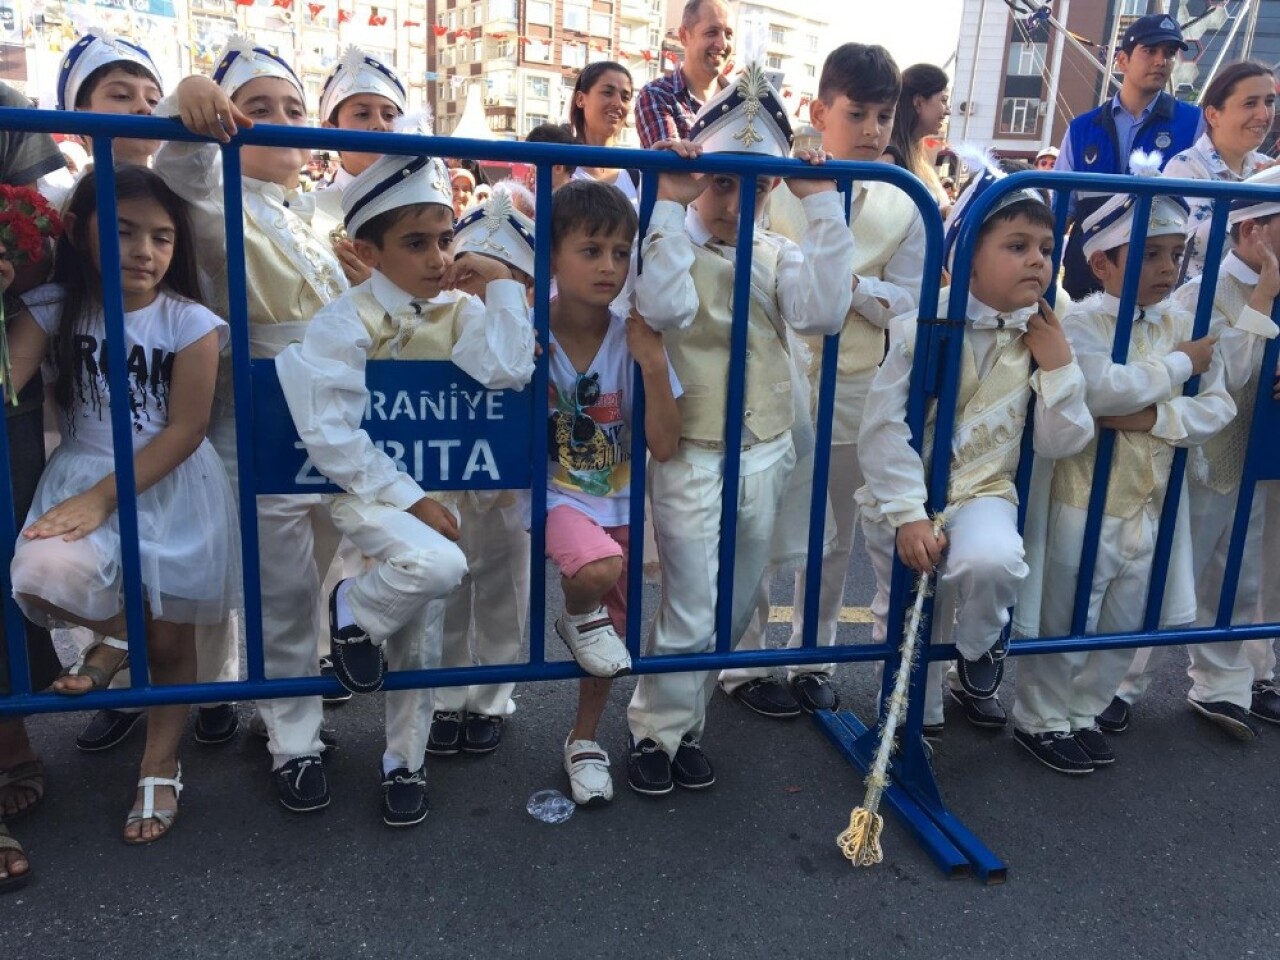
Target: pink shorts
pixel 575 540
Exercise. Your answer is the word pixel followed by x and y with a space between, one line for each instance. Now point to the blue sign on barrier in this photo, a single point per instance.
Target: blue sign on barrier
pixel 440 426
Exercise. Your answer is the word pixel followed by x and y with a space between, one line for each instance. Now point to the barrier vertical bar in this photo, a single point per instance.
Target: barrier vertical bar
pixel 1177 470
pixel 1107 438
pixel 15 626
pixel 735 412
pixel 541 394
pixel 639 449
pixel 824 426
pixel 121 408
pixel 242 391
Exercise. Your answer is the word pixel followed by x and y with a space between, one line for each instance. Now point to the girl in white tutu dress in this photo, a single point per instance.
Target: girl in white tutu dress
pixel 67 566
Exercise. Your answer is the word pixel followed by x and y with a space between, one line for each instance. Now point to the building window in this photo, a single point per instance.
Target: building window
pixel 777 35
pixel 773 62
pixel 1020 115
pixel 538 50
pixel 532 120
pixel 810 70
pixel 811 40
pixel 601 25
pixel 538 11
pixel 540 87
pixel 502 9
pixel 575 17
pixel 477 50
pixel 573 55
pixel 1026 59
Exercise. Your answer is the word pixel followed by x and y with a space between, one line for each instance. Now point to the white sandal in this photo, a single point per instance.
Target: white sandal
pixel 166 818
pixel 100 677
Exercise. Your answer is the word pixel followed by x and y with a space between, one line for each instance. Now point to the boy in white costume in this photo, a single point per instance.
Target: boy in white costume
pixel 485 618
pixel 1226 688
pixel 107 74
pixel 360 93
pixel 1060 695
pixel 685 291
pixel 290 275
pixel 857 96
pixel 1007 326
pixel 399 213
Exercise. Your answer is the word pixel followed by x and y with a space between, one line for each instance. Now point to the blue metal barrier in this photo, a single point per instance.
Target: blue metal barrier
pixel 914 795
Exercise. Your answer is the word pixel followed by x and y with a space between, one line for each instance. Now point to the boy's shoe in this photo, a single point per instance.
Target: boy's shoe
pixel 594 643
pixel 445 738
pixel 1114 719
pixel 1266 701
pixel 985 712
pixel 981 678
pixel 648 768
pixel 1231 718
pixel 358 662
pixel 1057 751
pixel 481 733
pixel 767 696
pixel 301 784
pixel 329 699
pixel 107 729
pixel 587 765
pixel 1095 746
pixel 404 797
pixel 216 724
pixel 813 692
pixel 690 768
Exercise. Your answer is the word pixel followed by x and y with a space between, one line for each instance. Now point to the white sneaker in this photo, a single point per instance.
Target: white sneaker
pixel 587 765
pixel 594 643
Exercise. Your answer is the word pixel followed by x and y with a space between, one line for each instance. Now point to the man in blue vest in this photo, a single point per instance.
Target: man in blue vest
pixel 1142 115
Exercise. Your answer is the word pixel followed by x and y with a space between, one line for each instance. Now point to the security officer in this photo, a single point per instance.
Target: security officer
pixel 1142 115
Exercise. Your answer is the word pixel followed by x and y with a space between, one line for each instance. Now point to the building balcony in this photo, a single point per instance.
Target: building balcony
pixel 636 11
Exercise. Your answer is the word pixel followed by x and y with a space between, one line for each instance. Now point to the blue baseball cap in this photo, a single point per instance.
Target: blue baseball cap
pixel 1151 31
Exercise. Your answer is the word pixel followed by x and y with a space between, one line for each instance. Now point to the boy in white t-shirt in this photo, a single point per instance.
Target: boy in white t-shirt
pixel 593 227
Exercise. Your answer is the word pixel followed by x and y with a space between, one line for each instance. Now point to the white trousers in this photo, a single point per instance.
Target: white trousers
pixel 844 477
pixel 399 600
pixel 685 494
pixel 296 543
pixel 485 617
pixel 1061 692
pixel 1262 653
pixel 977 582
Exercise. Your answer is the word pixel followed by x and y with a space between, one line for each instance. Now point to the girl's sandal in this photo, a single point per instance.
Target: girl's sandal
pixel 148 811
pixel 12 881
pixel 100 678
pixel 25 778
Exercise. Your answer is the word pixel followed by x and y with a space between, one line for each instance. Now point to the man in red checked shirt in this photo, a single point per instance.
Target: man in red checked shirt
pixel 665 108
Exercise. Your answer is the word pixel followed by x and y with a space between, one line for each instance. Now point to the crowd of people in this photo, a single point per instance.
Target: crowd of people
pixel 404 258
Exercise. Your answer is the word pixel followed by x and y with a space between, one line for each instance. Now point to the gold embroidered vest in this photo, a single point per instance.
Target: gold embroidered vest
pixel 700 352
pixel 1140 462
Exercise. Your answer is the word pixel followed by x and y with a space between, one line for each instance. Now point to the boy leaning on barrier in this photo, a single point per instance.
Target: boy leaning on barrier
pixel 685 291
pixel 1231 682
pixel 980 555
pixel 857 96
pixel 399 214
pixel 290 274
pixel 594 353
pixel 1060 695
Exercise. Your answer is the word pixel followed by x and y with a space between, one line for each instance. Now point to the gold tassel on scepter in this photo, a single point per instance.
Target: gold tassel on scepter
pixel 860 842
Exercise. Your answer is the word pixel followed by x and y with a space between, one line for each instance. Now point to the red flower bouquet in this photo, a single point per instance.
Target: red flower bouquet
pixel 26 219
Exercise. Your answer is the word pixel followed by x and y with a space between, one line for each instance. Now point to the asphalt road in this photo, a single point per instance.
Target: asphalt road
pixel 1169 854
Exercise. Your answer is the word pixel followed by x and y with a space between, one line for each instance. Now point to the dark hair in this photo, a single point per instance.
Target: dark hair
pixel 1235 227
pixel 1036 211
pixel 127 67
pixel 590 205
pixel 898 159
pixel 862 72
pixel 80 278
pixel 374 230
pixel 1227 79
pixel 920 80
pixel 588 77
pixel 551 133
pixel 692 11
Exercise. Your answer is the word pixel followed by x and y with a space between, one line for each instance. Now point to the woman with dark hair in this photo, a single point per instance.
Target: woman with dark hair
pixel 922 107
pixel 598 110
pixel 1239 108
